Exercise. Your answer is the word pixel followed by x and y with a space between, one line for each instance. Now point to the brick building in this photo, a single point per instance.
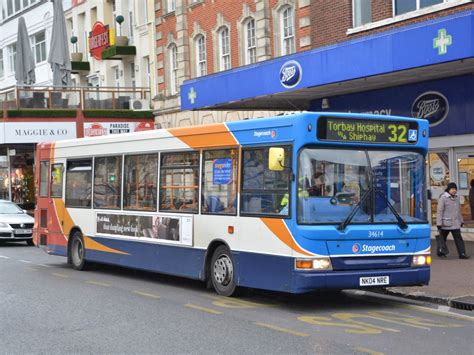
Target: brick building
pixel 399 57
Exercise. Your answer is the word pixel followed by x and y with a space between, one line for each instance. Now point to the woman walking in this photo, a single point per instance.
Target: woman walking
pixel 449 219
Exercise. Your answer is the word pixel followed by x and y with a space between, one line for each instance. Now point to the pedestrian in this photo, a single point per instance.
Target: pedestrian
pixel 471 199
pixel 449 219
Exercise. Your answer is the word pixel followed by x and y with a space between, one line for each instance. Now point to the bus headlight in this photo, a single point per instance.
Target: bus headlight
pixel 313 264
pixel 421 260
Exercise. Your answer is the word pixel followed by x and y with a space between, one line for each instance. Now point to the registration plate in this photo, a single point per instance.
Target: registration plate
pixel 23 231
pixel 374 281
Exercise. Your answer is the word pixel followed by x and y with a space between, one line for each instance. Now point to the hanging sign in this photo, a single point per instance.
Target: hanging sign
pixel 101 37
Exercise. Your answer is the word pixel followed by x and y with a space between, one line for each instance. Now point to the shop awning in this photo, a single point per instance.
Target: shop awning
pixel 433 49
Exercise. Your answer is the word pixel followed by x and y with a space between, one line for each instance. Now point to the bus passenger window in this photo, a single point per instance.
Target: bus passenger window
pixel 219 182
pixel 44 172
pixel 107 182
pixel 179 179
pixel 264 191
pixel 79 183
pixel 140 177
pixel 57 180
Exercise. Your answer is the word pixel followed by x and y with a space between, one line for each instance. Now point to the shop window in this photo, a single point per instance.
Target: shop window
pixel 439 178
pixel 4 175
pixel 179 179
pixel 404 6
pixel 264 191
pixel 57 180
pixel 107 182
pixel 44 181
pixel 362 12
pixel 79 183
pixel 140 178
pixel 465 169
pixel 219 182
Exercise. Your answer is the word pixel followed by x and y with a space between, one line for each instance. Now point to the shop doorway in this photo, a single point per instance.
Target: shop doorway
pixel 465 173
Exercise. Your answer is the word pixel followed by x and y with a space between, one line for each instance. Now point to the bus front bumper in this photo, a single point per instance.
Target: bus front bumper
pixel 307 281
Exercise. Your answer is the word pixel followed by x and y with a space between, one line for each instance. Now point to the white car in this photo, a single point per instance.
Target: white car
pixel 15 224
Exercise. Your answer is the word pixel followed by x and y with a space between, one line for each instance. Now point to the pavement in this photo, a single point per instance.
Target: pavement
pixel 452 279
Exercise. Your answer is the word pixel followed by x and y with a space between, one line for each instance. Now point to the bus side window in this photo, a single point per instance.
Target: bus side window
pixel 107 182
pixel 44 178
pixel 219 182
pixel 264 192
pixel 57 171
pixel 79 183
pixel 139 182
pixel 179 182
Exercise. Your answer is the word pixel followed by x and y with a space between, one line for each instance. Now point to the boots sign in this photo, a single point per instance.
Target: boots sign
pixel 432 106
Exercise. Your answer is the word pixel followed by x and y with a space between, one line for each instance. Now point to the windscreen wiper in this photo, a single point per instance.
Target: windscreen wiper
pixel 351 215
pixel 401 223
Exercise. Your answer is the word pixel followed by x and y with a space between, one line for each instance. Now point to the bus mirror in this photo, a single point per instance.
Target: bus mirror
pixel 276 158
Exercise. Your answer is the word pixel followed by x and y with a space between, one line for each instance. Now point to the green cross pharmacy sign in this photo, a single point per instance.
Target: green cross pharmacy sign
pixel 442 41
pixel 192 95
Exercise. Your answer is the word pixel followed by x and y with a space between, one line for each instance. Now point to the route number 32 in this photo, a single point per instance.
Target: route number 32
pixel 398 133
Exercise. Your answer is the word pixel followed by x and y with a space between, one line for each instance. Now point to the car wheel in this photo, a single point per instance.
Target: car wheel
pixel 30 242
pixel 223 271
pixel 78 252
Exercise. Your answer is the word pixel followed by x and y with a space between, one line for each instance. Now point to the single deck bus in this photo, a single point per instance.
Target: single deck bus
pixel 292 203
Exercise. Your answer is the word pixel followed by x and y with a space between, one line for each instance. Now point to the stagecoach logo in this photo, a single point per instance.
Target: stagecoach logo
pixel 268 133
pixel 356 248
pixel 290 74
pixel 432 106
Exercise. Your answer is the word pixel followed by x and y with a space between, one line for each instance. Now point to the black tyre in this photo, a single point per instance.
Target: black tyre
pixel 30 242
pixel 78 252
pixel 222 271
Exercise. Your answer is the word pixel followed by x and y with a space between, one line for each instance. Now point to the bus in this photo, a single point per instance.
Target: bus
pixel 293 203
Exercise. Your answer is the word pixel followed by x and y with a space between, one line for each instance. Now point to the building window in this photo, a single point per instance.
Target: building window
pixel 250 42
pixel 224 49
pixel 11 57
pixel 362 12
pixel 171 4
pixel 264 191
pixel 79 183
pixel 130 27
pixel 219 182
pixel 404 6
pixel 179 182
pixel 173 69
pixel 107 182
pixel 1 64
pixel 15 6
pixel 201 61
pixel 287 31
pixel 139 184
pixel 39 47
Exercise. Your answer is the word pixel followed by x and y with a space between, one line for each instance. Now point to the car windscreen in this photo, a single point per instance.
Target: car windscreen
pixel 9 208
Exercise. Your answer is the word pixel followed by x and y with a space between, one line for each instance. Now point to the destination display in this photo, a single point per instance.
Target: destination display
pixel 367 131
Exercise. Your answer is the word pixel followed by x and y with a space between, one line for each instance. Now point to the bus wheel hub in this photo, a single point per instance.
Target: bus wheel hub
pixel 223 270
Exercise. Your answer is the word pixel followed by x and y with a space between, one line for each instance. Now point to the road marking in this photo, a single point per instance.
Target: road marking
pixel 227 302
pixel 97 283
pixel 146 294
pixel 31 269
pixel 43 265
pixel 360 349
pixel 204 309
pixel 4 257
pixel 25 261
pixel 438 312
pixel 280 329
pixel 60 275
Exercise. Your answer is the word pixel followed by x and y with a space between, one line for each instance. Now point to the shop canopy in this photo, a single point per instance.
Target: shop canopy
pixel 434 49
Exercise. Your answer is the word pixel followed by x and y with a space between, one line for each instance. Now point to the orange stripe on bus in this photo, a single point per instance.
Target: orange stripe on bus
pixel 215 135
pixel 93 245
pixel 279 228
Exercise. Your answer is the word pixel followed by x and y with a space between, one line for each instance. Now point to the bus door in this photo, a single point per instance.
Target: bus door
pixel 57 209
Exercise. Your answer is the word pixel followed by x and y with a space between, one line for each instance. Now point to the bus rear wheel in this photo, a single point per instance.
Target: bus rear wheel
pixel 78 252
pixel 222 271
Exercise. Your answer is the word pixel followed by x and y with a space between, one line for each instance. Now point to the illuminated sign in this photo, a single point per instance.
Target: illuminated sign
pixel 367 131
pixel 100 38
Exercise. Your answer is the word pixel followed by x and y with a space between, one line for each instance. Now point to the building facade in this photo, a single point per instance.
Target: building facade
pixel 410 58
pixel 197 38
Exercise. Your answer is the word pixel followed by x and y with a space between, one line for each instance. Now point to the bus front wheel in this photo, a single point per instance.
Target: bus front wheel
pixel 78 252
pixel 222 271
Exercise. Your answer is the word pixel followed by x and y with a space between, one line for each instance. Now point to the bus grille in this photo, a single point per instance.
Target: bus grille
pixel 371 262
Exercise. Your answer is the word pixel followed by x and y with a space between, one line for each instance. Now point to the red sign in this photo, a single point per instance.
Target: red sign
pixel 99 39
pixel 95 130
pixel 144 126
